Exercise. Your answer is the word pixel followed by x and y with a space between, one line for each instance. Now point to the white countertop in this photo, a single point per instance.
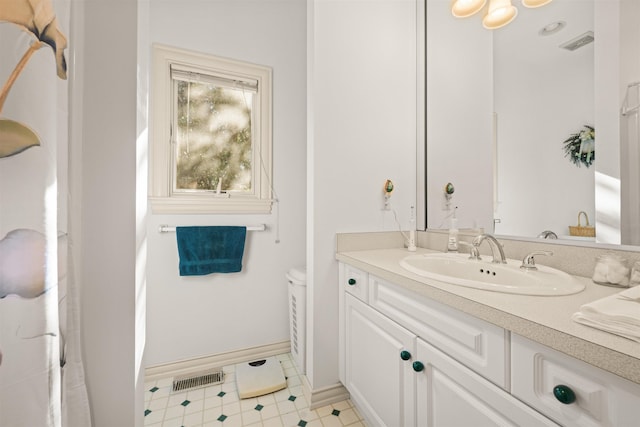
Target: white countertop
pixel 545 319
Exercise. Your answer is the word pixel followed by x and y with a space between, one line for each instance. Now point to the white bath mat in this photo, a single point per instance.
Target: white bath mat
pixel 259 377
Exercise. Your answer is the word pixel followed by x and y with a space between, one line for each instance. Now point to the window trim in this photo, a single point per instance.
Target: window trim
pixel 161 195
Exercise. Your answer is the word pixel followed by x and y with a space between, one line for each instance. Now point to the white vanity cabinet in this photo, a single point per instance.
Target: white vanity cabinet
pixel 398 378
pixel 570 391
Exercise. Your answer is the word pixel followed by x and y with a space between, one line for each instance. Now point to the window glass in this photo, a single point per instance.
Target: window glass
pixel 213 137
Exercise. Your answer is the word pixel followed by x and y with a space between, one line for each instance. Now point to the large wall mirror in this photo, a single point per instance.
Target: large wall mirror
pixel 502 104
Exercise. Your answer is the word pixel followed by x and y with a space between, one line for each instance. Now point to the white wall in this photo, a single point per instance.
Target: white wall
pixel 103 199
pixel 542 95
pixel 196 316
pixel 361 131
pixel 459 111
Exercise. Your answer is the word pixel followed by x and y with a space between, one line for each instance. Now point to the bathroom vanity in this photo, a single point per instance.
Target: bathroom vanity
pixel 421 352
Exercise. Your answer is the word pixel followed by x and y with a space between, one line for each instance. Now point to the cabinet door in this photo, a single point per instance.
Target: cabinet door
pixel 378 378
pixel 451 395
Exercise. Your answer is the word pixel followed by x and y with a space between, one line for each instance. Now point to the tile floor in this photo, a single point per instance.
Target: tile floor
pixel 219 405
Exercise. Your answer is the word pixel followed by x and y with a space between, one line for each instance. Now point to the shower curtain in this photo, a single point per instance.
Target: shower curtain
pixel 41 372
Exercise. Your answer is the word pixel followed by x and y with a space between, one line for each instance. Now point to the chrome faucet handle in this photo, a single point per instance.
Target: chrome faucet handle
pixel 529 262
pixel 547 234
pixel 496 247
pixel 474 253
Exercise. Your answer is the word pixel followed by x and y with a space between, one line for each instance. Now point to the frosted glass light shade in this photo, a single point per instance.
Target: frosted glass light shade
pixel 500 13
pixel 535 3
pixel 464 8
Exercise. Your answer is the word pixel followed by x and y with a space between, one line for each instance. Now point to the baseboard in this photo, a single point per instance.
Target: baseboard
pixel 323 396
pixel 188 366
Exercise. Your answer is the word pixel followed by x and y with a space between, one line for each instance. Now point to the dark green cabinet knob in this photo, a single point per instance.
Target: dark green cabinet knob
pixel 405 355
pixel 418 366
pixel 564 394
pixel 351 282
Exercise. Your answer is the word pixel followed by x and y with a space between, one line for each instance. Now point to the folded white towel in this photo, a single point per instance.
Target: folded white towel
pixel 618 314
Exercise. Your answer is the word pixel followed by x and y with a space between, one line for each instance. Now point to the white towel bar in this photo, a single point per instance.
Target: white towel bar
pixel 167 229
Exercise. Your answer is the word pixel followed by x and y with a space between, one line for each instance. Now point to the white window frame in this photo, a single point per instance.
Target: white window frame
pixel 161 157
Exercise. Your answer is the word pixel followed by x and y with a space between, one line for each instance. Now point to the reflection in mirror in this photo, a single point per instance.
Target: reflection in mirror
pixel 509 113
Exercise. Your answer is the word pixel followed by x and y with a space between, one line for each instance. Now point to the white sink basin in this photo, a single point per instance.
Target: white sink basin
pixel 458 269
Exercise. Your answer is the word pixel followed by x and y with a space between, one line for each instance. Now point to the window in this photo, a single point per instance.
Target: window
pixel 211 134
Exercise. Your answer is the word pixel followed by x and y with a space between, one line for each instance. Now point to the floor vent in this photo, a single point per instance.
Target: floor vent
pixel 198 379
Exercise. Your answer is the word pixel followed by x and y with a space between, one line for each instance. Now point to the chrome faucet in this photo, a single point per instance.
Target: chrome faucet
pixel 496 247
pixel 474 254
pixel 529 262
pixel 547 234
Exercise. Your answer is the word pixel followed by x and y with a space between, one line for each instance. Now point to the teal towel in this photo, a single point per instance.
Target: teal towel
pixel 206 250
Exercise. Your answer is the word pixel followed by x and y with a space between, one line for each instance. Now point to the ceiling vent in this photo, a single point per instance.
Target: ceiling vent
pixel 578 42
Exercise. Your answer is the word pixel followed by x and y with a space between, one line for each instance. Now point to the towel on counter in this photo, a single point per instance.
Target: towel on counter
pixel 618 314
pixel 206 250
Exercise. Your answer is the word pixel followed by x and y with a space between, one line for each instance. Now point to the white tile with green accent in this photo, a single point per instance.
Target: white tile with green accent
pixel 219 405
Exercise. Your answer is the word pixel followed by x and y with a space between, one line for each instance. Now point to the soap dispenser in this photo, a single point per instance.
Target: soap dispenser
pixel 411 244
pixel 452 244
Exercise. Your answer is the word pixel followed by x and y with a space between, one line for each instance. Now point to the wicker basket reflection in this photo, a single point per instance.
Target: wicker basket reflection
pixel 582 230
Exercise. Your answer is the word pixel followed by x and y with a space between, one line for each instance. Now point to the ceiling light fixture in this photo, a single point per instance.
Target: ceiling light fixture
pixel 464 8
pixel 552 28
pixel 499 13
pixel 535 3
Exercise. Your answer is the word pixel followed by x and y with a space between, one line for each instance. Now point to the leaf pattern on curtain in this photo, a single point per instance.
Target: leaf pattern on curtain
pixel 38 18
pixel 38 304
